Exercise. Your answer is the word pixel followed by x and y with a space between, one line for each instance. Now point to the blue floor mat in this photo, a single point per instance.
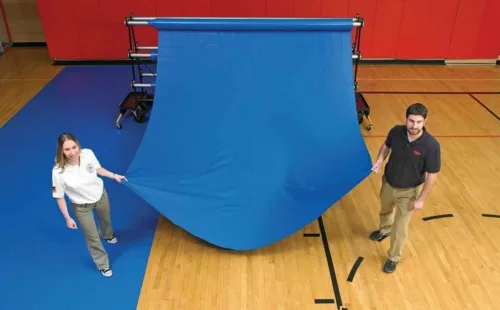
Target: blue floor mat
pixel 44 265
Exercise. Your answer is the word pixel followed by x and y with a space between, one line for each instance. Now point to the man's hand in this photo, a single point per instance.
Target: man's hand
pixel 377 165
pixel 418 205
pixel 382 154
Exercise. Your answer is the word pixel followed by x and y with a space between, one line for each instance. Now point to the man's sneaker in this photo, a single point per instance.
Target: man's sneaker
pixel 112 240
pixel 107 272
pixel 378 236
pixel 390 266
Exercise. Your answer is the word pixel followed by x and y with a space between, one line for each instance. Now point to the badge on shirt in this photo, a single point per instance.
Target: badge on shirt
pixel 90 168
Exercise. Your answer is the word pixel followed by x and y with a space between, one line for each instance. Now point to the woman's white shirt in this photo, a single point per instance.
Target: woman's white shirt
pixel 80 183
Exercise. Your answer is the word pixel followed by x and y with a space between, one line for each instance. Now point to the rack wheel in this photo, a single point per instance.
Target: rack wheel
pixel 370 124
pixel 118 124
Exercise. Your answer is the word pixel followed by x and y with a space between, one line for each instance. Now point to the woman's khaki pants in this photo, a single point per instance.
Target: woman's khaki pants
pixel 85 217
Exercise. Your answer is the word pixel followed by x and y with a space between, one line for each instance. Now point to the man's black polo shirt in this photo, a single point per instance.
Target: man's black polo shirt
pixel 409 161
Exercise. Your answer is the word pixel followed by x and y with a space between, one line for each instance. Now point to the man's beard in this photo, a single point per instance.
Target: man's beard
pixel 413 132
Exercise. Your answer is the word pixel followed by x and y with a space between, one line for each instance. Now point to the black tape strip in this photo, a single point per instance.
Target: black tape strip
pixel 354 269
pixel 437 217
pixel 311 235
pixel 491 215
pixel 324 301
pixel 329 260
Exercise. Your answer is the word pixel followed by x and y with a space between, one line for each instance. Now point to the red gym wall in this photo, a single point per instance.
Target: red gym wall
pixel 402 29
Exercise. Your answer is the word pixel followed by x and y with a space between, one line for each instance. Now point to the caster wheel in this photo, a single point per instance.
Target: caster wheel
pixel 369 127
pixel 140 119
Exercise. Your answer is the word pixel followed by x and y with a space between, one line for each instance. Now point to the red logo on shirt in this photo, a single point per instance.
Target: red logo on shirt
pixel 417 153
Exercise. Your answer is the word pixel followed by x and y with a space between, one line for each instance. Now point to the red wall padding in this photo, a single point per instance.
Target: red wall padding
pixel 426 28
pixel 403 29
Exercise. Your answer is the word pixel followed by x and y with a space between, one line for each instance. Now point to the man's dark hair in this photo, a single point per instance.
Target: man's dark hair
pixel 417 109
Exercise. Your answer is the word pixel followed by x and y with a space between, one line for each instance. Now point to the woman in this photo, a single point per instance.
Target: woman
pixel 75 174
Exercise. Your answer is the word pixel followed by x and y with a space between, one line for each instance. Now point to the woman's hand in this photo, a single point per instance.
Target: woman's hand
pixel 70 223
pixel 108 174
pixel 118 178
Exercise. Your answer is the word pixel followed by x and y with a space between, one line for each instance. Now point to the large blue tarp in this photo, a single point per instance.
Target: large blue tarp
pixel 254 130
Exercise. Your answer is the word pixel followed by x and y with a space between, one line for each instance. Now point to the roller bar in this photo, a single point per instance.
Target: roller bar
pixel 131 20
pixel 151 56
pixel 147 19
pixel 154 55
pixel 146 48
pixel 142 85
pixel 234 23
pixel 136 55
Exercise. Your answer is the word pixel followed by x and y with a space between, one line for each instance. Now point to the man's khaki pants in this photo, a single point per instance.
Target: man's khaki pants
pixel 85 217
pixel 396 221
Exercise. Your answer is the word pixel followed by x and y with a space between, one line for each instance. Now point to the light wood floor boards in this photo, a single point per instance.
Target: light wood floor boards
pixel 185 273
pixel 491 102
pixel 407 78
pixel 23 73
pixel 450 263
pixel 449 114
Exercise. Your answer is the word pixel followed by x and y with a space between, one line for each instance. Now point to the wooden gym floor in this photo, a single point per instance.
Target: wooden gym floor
pixel 451 262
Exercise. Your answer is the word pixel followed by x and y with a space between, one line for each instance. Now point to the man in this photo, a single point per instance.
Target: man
pixel 415 160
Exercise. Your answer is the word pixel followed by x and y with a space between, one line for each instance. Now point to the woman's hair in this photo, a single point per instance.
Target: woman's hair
pixel 60 160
